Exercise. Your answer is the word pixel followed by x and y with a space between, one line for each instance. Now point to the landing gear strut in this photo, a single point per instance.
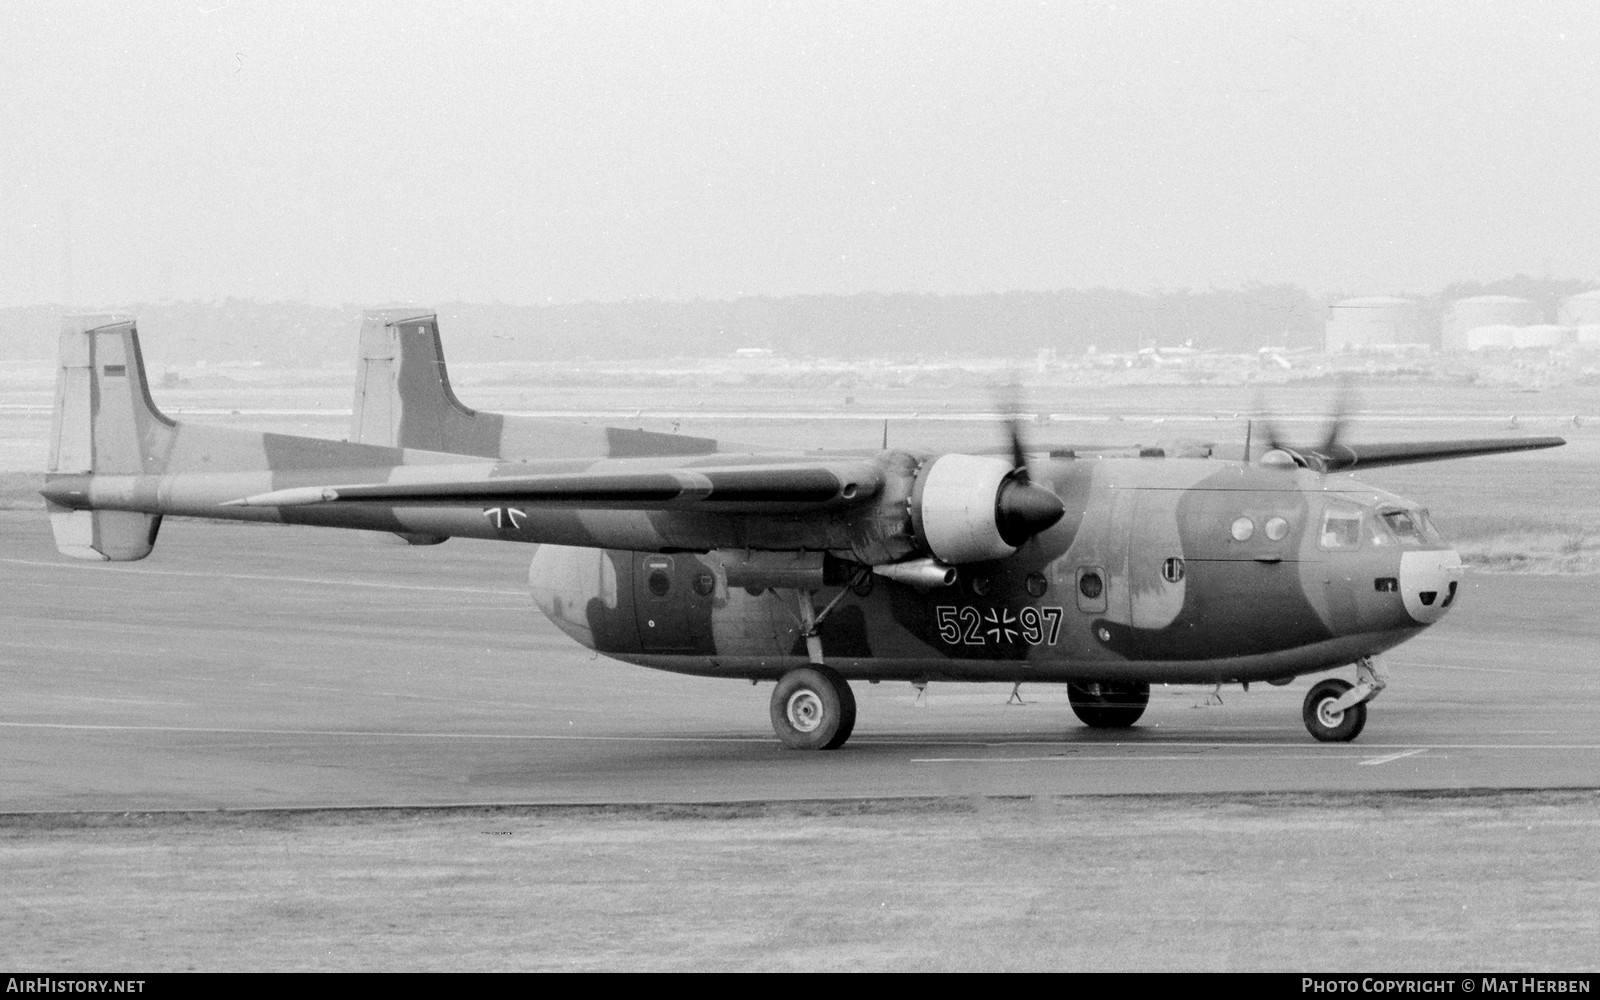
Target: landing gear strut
pixel 1335 711
pixel 813 707
pixel 1108 706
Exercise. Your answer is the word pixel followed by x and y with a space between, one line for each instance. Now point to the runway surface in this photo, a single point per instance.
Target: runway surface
pixel 263 667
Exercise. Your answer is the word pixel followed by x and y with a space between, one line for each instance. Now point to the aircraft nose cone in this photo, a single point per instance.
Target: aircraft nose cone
pixel 1428 583
pixel 1024 509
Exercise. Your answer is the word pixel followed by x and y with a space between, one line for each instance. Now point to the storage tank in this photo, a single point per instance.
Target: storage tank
pixel 1376 321
pixel 1543 335
pixel 1494 337
pixel 1486 310
pixel 1582 309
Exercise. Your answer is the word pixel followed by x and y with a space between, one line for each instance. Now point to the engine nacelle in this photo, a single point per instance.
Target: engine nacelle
pixel 972 508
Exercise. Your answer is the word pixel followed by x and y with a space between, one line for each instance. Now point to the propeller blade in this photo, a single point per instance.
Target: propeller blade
pixel 1337 420
pixel 1023 508
pixel 1010 405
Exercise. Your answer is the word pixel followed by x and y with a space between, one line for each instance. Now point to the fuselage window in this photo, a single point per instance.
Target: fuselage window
pixel 1172 570
pixel 1242 529
pixel 659 578
pixel 1091 590
pixel 1341 527
pixel 1277 528
pixel 1036 584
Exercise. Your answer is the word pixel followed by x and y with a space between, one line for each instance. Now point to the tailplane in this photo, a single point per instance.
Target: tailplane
pixel 104 423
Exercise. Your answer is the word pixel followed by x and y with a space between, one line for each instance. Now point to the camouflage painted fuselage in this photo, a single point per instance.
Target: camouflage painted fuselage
pixel 1161 570
pixel 1144 579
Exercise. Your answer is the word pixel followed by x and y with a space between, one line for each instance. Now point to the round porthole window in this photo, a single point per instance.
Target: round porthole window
pixel 1243 528
pixel 1036 584
pixel 1277 527
pixel 1090 585
pixel 659 582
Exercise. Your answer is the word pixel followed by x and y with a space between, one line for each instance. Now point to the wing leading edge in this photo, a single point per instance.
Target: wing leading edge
pixel 759 489
pixel 1344 457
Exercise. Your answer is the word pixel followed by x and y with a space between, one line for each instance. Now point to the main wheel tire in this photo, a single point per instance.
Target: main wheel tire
pixel 1327 725
pixel 1101 705
pixel 813 708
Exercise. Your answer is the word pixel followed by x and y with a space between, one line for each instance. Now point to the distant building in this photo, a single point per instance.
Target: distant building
pixel 1582 313
pixel 1466 315
pixel 1380 322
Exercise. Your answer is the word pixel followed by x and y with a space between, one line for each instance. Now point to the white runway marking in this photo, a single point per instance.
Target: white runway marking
pixel 375 734
pixel 1064 752
pixel 102 567
pixel 1396 756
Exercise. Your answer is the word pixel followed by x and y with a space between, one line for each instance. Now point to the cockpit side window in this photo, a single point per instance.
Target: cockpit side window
pixel 1341 526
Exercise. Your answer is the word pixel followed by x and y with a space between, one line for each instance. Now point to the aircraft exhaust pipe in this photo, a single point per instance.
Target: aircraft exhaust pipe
pixel 924 573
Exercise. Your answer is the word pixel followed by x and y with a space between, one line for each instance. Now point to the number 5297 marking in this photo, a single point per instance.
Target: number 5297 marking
pixel 970 626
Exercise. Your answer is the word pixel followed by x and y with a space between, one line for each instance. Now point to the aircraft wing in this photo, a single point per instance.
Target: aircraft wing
pixel 766 489
pixel 1343 457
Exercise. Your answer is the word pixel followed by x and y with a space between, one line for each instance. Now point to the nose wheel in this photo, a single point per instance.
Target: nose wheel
pixel 1335 711
pixel 1324 717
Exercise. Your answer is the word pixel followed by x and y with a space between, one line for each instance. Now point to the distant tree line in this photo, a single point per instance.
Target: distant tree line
pixel 905 326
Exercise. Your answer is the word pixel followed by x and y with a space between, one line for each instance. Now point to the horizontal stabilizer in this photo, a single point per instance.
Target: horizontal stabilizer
pixel 103 535
pixel 767 489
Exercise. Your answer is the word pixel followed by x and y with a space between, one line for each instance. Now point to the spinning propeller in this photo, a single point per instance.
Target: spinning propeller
pixel 1332 454
pixel 1022 508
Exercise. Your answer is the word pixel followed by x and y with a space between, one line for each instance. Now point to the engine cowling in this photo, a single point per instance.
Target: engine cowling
pixel 971 508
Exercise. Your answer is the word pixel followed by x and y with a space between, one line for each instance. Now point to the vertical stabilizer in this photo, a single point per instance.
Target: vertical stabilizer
pixel 404 400
pixel 403 395
pixel 104 424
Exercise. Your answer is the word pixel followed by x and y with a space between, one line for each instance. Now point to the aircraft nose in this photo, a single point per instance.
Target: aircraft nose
pixel 1428 583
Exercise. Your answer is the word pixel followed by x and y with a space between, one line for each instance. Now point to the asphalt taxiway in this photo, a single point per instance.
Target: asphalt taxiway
pixel 261 667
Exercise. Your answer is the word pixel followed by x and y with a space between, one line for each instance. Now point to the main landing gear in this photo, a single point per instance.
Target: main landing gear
pixel 1335 711
pixel 813 707
pixel 1108 706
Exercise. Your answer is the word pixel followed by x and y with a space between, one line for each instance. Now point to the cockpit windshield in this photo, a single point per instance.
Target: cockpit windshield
pixel 1411 527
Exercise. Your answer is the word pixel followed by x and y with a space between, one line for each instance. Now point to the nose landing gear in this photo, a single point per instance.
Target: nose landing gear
pixel 1335 711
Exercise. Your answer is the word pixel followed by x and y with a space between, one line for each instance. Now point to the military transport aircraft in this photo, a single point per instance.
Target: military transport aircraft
pixel 811 570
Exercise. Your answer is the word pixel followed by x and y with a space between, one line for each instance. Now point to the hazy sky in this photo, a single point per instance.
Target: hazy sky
pixel 531 152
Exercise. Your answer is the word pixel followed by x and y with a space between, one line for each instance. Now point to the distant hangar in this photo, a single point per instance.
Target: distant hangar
pixel 1388 323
